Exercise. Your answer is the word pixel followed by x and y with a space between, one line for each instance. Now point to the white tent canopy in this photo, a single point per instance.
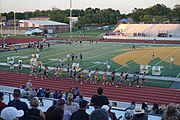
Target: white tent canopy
pixel 36 30
pixel 32 31
pixel 28 32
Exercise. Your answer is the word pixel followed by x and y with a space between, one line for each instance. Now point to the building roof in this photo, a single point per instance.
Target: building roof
pixel 44 22
pixel 41 17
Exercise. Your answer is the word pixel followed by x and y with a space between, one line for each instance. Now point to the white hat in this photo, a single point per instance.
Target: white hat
pixel 106 107
pixel 138 110
pixel 10 113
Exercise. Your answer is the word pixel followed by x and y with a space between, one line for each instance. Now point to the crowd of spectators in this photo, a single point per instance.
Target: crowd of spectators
pixel 69 106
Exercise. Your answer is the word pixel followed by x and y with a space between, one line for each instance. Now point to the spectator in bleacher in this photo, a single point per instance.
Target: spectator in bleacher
pixel 99 114
pixel 55 94
pixel 162 108
pixel 171 113
pixel 70 105
pixel 34 112
pixel 139 114
pixel 11 113
pixel 155 109
pixel 99 99
pixel 79 98
pixel 77 92
pixel 47 93
pixel 128 115
pixel 54 113
pixel 32 92
pixel 17 103
pixel 23 91
pixel 145 107
pixel 81 113
pixel 61 102
pixel 2 104
pixel 132 106
pixel 28 85
pixel 112 115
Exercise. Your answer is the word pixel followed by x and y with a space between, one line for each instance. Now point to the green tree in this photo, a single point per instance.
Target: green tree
pixel 147 18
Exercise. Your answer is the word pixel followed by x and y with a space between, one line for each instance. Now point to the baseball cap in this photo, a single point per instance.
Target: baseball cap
pixel 128 114
pixel 1 94
pixel 10 113
pixel 83 103
pixel 106 107
pixel 61 101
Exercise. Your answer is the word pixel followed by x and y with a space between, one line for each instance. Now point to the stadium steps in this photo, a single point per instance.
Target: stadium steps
pixel 125 94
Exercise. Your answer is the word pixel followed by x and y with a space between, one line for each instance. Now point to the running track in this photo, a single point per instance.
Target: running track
pixel 124 94
pixel 27 40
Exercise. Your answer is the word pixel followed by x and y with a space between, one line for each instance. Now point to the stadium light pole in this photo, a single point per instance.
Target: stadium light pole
pixel 70 20
pixel 1 20
pixel 14 20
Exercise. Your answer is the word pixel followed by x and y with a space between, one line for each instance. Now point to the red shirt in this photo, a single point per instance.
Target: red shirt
pixel 2 104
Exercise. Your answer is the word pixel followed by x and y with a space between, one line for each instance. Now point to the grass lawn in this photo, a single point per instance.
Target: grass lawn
pixel 86 33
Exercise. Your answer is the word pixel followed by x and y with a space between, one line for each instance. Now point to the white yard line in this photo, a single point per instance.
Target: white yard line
pixel 178 75
pixel 75 54
pixel 164 58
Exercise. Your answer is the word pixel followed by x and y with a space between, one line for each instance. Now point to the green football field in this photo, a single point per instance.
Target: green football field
pixel 96 55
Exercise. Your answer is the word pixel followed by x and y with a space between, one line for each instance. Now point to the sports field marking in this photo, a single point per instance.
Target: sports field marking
pixel 178 75
pixel 60 53
pixel 78 50
pixel 139 58
pixel 85 53
pixel 19 53
pixel 164 58
pixel 101 55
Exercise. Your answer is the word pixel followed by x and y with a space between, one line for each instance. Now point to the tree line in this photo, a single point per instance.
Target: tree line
pixel 98 17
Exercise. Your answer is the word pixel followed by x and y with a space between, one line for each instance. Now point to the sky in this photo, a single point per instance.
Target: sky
pixel 125 6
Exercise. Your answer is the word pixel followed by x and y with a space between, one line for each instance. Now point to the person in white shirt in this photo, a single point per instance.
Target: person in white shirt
pixel 19 65
pixel 172 62
pixel 11 62
pixel 68 56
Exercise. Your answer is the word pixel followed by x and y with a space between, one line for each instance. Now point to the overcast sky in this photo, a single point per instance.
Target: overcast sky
pixel 125 6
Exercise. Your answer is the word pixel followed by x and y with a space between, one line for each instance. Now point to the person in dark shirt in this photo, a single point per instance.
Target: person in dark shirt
pixel 34 113
pixel 17 103
pixel 54 113
pixel 99 100
pixel 81 113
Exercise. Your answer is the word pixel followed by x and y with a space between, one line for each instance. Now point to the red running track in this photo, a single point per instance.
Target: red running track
pixel 27 40
pixel 124 94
